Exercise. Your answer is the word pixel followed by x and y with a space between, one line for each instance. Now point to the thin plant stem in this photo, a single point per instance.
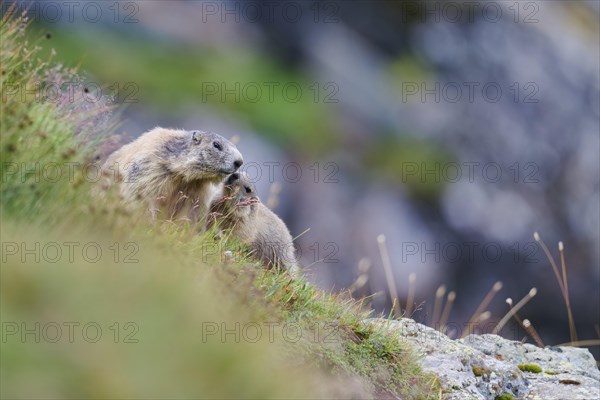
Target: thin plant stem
pixel 582 343
pixel 533 333
pixel 437 305
pixel 446 313
pixel 389 276
pixel 572 329
pixel 484 303
pixel 514 309
pixel 538 239
pixel 411 294
pixel 515 315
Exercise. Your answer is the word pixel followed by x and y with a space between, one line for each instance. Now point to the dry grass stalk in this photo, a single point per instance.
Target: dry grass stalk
pixel 514 310
pixel 538 239
pixel 582 343
pixel 572 330
pixel 412 278
pixel 274 192
pixel 296 237
pixel 389 275
pixel 437 305
pixel 446 313
pixel 473 328
pixel 485 302
pixel 562 281
pixel 533 332
pixel 364 264
pixel 509 301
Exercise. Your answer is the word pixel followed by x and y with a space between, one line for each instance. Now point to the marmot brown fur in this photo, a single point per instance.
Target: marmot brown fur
pixel 173 172
pixel 238 212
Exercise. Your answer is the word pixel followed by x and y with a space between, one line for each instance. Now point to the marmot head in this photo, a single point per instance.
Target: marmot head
pixel 203 155
pixel 240 193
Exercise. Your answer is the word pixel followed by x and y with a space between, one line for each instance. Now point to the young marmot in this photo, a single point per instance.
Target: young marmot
pixel 238 211
pixel 173 172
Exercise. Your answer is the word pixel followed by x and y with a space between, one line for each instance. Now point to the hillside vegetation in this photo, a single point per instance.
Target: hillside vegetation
pixel 96 302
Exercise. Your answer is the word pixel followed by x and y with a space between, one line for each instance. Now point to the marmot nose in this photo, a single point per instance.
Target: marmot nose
pixel 238 163
pixel 232 178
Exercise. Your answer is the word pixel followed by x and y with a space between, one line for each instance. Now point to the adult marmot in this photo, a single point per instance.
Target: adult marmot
pixel 238 212
pixel 174 172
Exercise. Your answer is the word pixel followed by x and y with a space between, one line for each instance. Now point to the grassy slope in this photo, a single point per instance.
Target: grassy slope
pixel 176 288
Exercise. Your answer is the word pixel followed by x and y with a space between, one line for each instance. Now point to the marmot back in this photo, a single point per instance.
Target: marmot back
pixel 172 172
pixel 238 211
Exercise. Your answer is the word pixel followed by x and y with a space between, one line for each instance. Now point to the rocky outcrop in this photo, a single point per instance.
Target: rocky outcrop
pixel 489 366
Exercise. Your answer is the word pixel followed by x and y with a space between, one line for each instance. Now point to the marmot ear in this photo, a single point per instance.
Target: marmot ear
pixel 197 136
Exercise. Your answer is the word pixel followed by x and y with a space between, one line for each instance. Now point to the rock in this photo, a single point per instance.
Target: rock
pixel 567 372
pixel 486 366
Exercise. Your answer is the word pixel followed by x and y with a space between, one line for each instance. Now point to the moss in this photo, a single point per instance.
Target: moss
pixel 504 396
pixel 551 373
pixel 478 371
pixel 534 368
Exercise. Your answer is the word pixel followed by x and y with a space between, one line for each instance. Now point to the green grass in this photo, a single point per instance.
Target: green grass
pixel 176 319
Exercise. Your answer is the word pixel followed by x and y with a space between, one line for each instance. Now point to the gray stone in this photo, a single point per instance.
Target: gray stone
pixel 567 372
pixel 486 366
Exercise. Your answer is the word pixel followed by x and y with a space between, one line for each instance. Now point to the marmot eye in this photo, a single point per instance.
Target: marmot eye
pixel 248 190
pixel 218 146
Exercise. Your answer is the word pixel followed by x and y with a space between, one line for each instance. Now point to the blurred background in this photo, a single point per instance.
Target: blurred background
pixel 456 129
